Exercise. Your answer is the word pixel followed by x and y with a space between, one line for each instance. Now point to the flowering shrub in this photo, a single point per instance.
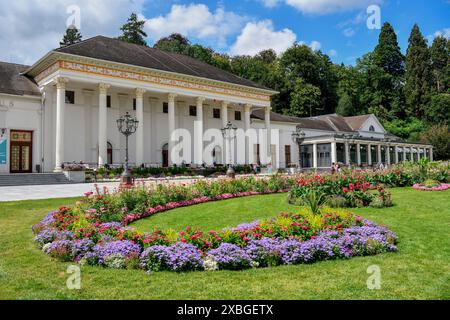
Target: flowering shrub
pixel 178 257
pixel 115 254
pixel 60 249
pixel 230 257
pixel 439 187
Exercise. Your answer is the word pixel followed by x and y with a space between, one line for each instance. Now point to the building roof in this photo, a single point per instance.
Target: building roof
pixel 115 50
pixel 330 122
pixel 356 122
pixel 12 82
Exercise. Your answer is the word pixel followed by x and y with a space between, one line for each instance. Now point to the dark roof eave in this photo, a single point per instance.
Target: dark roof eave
pixel 53 52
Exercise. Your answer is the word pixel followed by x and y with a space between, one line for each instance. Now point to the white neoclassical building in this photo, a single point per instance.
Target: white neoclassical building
pixel 64 109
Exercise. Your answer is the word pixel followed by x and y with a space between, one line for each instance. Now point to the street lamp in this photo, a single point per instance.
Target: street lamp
pixel 127 125
pixel 229 133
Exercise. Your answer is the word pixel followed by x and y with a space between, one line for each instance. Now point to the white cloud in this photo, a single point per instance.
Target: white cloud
pixel 348 32
pixel 31 28
pixel 443 33
pixel 332 53
pixel 196 21
pixel 329 6
pixel 258 36
pixel 314 45
pixel 270 3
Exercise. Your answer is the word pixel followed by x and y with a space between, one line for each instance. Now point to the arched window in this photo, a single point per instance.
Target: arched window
pixel 165 155
pixel 110 153
pixel 372 129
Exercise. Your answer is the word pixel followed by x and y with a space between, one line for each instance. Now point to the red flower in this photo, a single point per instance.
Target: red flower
pixel 183 240
pixel 345 190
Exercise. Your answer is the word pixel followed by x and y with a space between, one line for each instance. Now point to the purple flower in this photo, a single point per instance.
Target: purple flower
pixel 246 226
pixel 80 248
pixel 60 249
pixel 124 248
pixel 266 252
pixel 231 257
pixel 50 235
pixel 179 257
pixel 111 225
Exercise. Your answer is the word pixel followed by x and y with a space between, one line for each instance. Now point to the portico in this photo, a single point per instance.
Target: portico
pixel 358 151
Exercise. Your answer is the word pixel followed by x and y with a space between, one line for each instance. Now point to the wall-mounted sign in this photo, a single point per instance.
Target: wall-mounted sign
pixel 3 143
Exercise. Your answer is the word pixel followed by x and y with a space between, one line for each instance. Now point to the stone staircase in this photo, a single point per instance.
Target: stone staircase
pixel 32 179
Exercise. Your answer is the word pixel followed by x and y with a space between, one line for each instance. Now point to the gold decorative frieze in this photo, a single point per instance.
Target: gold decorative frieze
pixel 156 78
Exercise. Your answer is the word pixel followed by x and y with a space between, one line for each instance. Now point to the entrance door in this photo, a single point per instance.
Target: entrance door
pixel 287 155
pixel 21 150
pixel 165 155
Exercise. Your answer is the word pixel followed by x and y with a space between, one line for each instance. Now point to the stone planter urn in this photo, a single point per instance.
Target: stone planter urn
pixel 75 176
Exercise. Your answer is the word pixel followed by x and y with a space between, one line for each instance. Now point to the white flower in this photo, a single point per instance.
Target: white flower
pixel 210 264
pixel 46 246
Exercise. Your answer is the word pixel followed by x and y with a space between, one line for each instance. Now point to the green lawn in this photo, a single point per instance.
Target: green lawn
pixel 420 270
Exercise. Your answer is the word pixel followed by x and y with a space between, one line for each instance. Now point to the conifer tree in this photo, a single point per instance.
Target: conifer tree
pixel 418 73
pixel 72 36
pixel 133 31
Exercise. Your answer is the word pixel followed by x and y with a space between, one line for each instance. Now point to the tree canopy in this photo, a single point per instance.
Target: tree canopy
pixel 133 31
pixel 71 36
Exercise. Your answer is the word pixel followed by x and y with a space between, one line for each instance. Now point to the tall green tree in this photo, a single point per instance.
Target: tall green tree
pixel 386 71
pixel 439 137
pixel 176 43
pixel 387 53
pixel 440 60
pixel 314 68
pixel 133 31
pixel 305 100
pixel 71 36
pixel 418 73
pixel 438 112
pixel 345 106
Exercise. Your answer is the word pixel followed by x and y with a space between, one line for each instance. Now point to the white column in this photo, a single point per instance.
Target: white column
pixel 396 154
pixel 388 155
pixel 224 116
pixel 358 154
pixel 412 153
pixel 248 147
pixel 347 153
pixel 140 129
pixel 431 154
pixel 404 153
pixel 269 136
pixel 60 112
pixel 171 116
pixel 379 158
pixel 333 152
pixel 198 133
pixel 315 164
pixel 369 154
pixel 102 125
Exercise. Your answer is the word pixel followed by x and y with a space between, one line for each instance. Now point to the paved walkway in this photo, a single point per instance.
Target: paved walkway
pixel 49 191
pixel 20 193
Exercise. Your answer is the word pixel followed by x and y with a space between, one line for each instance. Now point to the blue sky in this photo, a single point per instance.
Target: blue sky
pixel 30 28
pixel 342 33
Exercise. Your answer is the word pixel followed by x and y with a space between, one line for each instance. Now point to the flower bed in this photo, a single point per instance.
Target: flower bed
pixel 286 239
pixel 340 191
pixel 439 187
